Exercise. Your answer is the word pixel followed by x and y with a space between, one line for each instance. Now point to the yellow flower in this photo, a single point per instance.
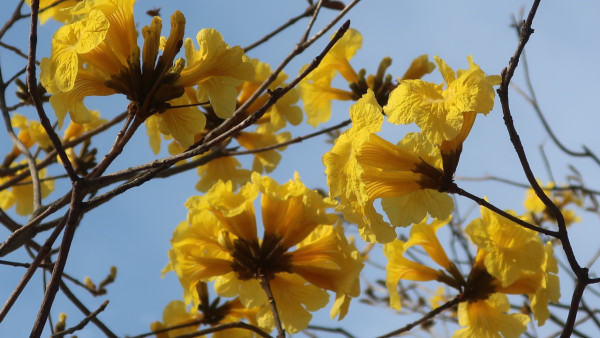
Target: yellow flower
pixel 538 213
pixel 264 161
pixel 96 54
pixel 438 111
pixel 285 109
pixel 511 249
pixel 220 240
pixel 338 58
pixel 487 318
pixel 216 69
pixel 52 9
pixel 418 68
pixel 182 123
pixel 174 314
pixel 21 194
pixel 316 94
pixel 223 168
pixel 398 267
pixel 30 133
pixel 550 289
pixel 316 91
pixel 75 129
pixel 363 167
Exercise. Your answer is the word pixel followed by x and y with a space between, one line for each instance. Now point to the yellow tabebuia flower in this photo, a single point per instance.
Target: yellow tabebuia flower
pixel 285 109
pixel 264 161
pixel 338 58
pixel 224 169
pixel 21 194
pixel 54 9
pixel 316 94
pixel 538 213
pixel 30 133
pixel 174 314
pixel 301 253
pixel 182 123
pixel 216 69
pixel 511 249
pixel 550 289
pixel 488 319
pixel 398 267
pixel 316 91
pixel 363 167
pixel 438 111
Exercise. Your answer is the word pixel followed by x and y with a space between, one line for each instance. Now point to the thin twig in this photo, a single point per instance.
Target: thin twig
pixel 25 265
pixel 31 270
pixel 73 218
pixel 15 50
pixel 536 107
pixel 222 327
pixel 264 283
pixel 33 170
pixel 338 330
pixel 279 29
pixel 81 324
pixel 504 214
pixel 14 18
pixel 34 94
pixel 67 292
pixel 311 22
pixel 286 143
pixel 423 319
pixel 575 300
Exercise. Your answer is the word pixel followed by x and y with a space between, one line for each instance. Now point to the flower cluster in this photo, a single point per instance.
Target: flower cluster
pixel 510 260
pixel 412 177
pixel 302 252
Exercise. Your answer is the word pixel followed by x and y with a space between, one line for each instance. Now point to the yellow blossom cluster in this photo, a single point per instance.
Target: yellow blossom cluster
pixel 510 260
pixel 302 253
pixel 412 177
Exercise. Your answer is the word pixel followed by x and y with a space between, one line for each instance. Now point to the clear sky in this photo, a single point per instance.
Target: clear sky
pixel 133 231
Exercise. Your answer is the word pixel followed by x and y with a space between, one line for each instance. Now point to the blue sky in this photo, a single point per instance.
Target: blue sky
pixel 133 231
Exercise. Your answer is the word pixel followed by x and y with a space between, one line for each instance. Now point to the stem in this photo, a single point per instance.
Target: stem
pixel 264 283
pixel 423 319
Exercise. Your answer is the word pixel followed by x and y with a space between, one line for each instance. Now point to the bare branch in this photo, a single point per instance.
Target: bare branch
pixel 83 323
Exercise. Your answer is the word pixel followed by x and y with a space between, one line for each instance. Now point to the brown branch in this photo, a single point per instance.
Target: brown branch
pixel 503 213
pixel 33 170
pixel 311 22
pixel 423 319
pixel 532 99
pixel 264 283
pixel 34 94
pixel 31 270
pixel 67 292
pixel 14 18
pixel 73 218
pixel 81 324
pixel 575 300
pixel 222 327
pixel 338 330
pixel 307 12
pixel 286 143
pixel 507 74
pixel 15 50
pixel 25 265
pixel 51 156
